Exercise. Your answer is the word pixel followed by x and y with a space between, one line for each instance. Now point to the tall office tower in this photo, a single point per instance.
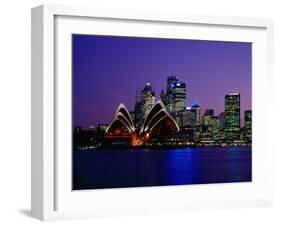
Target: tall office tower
pixel 169 98
pixel 248 125
pixel 175 97
pixel 221 120
pixel 147 100
pixel 179 96
pixel 197 109
pixel 232 116
pixel 189 117
pixel 184 118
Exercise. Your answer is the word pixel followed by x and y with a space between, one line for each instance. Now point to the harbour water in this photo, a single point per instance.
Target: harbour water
pixel 94 169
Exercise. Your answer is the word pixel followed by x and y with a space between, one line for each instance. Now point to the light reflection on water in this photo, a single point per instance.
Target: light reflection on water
pixel 135 167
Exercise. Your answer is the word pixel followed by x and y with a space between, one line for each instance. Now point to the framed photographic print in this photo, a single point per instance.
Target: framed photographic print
pixel 137 112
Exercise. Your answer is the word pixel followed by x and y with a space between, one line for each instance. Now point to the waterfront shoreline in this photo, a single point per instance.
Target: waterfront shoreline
pixel 168 147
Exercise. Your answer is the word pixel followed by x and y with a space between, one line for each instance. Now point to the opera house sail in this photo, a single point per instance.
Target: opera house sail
pixel 157 126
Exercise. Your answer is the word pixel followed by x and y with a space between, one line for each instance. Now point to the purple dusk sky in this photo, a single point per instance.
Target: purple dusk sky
pixel 108 70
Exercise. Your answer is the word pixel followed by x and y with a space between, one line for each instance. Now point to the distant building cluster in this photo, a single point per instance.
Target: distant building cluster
pixel 204 127
pixel 188 125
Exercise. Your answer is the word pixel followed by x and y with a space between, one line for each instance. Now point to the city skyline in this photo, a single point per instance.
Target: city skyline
pixel 90 82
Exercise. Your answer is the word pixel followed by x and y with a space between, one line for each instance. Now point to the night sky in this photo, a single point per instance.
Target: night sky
pixel 108 70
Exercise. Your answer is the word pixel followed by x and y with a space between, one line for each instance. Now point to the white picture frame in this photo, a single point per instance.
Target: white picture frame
pixel 52 197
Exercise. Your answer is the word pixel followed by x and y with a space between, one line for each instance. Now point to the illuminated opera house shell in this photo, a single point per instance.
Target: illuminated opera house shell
pixel 157 122
pixel 122 122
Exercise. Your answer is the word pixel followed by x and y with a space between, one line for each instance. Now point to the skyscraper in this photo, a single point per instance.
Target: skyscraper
pixel 147 100
pixel 197 109
pixel 168 97
pixel 232 116
pixel 248 125
pixel 189 117
pixel 175 97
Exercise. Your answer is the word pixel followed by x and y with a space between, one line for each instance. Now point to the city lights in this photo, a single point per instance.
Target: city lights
pixel 169 122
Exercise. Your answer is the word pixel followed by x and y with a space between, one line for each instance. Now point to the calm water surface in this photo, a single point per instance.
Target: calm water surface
pixel 135 168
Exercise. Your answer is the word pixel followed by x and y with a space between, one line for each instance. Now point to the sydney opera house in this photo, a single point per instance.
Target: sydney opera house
pixel 157 126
